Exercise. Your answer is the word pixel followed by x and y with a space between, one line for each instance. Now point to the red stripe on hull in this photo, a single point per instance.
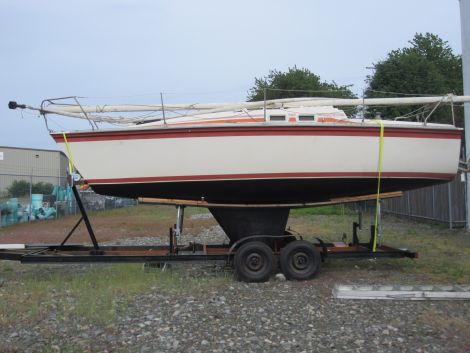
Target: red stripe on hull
pixel 141 134
pixel 439 176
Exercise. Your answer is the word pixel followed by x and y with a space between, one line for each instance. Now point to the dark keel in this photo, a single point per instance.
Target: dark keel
pixel 238 223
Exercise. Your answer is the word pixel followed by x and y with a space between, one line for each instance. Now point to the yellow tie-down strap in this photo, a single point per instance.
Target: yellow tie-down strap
pixel 69 153
pixel 377 204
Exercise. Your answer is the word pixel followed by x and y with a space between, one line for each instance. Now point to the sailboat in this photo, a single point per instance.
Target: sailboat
pixel 250 163
pixel 279 151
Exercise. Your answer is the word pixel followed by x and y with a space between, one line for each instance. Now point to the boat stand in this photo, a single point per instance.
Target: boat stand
pixel 84 218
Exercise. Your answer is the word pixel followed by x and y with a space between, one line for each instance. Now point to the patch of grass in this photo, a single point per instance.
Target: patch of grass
pixel 339 210
pixel 96 293
pixel 6 267
pixel 445 324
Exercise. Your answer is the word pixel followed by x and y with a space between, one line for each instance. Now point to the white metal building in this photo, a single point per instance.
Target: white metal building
pixel 36 165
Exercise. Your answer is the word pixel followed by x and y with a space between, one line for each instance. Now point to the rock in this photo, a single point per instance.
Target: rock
pixel 280 277
pixel 175 344
pixel 359 342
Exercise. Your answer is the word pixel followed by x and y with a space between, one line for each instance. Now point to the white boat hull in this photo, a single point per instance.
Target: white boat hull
pixel 261 163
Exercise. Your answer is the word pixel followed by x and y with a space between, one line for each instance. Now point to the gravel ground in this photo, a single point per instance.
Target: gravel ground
pixel 211 235
pixel 281 317
pixel 276 316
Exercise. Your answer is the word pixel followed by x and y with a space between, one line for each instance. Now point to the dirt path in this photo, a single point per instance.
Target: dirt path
pixel 106 229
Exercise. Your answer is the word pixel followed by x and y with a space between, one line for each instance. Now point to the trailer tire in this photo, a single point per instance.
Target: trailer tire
pixel 300 260
pixel 254 262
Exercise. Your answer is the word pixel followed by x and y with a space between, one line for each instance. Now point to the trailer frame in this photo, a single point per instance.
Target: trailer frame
pixel 173 252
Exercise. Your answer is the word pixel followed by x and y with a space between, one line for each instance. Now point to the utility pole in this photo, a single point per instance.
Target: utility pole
pixel 465 28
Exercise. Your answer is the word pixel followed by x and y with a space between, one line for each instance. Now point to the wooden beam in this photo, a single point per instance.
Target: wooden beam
pixel 202 203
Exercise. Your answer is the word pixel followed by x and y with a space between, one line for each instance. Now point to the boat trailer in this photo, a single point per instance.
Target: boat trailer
pixel 254 257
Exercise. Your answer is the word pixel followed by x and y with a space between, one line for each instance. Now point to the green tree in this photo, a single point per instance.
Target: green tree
pixel 296 82
pixel 18 188
pixel 42 188
pixel 427 67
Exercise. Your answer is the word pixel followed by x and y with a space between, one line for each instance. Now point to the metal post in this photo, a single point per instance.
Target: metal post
pixel 163 108
pixel 449 197
pixel 408 203
pixel 57 196
pixel 179 220
pixel 465 32
pixel 30 195
pixel 379 221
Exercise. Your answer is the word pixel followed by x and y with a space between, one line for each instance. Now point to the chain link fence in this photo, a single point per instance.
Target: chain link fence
pixel 27 198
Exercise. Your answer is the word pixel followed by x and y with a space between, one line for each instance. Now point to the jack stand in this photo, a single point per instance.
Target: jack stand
pixel 177 229
pixel 357 225
pixel 179 220
pixel 373 239
pixel 372 236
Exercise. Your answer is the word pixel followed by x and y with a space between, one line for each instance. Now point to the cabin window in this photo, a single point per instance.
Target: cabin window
pixel 277 118
pixel 306 117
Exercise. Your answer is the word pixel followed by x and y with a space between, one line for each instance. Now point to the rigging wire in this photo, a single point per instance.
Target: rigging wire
pixel 409 94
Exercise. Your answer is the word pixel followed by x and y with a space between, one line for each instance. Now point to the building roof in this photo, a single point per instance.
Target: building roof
pixel 32 149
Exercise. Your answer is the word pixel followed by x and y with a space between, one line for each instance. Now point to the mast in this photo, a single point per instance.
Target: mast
pixel 465 28
pixel 274 103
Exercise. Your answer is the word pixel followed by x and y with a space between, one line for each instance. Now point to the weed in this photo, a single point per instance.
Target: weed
pixel 6 268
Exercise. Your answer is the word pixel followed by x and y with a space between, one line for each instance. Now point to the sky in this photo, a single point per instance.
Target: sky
pixel 128 51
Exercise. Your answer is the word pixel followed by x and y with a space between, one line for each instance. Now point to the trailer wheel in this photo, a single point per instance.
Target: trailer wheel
pixel 254 262
pixel 300 260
